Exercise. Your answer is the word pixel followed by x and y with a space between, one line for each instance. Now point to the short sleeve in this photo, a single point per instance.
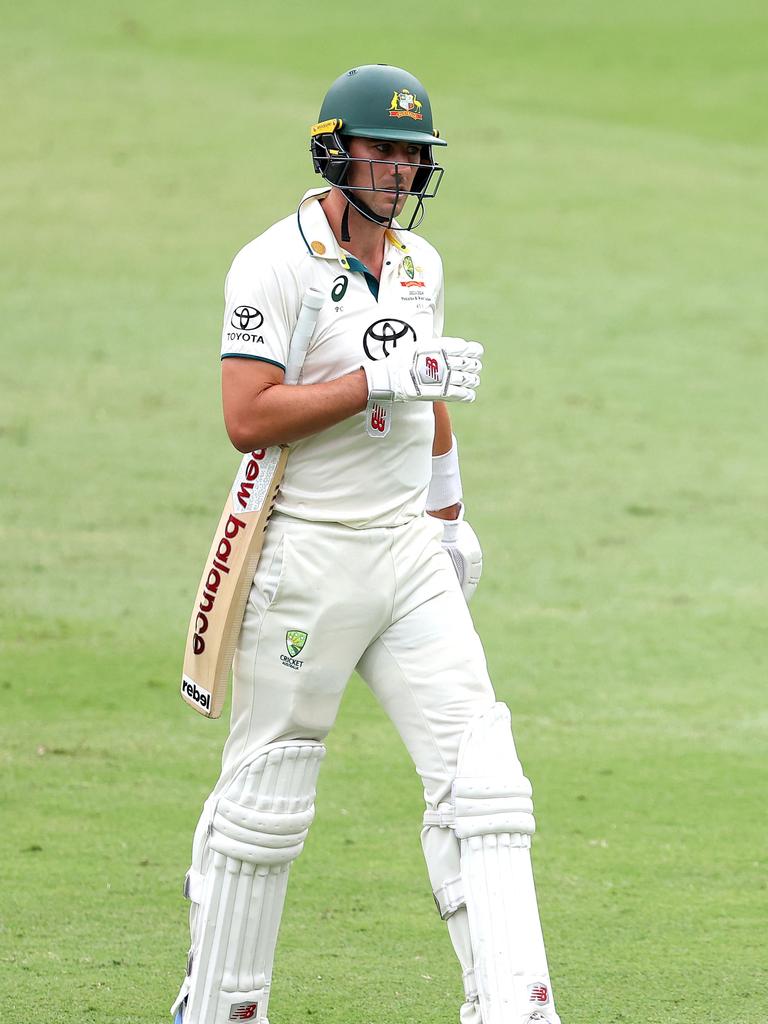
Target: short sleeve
pixel 259 308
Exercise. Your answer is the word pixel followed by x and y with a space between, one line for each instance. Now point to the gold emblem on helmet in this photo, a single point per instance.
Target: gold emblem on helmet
pixel 405 104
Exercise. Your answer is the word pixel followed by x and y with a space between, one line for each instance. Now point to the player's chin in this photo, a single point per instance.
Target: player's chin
pixel 391 206
pixel 381 204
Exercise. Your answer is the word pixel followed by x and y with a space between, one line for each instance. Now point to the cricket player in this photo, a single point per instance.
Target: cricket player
pixel 367 565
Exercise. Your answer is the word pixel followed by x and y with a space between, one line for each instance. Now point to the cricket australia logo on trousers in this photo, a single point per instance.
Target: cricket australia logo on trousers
pixel 294 642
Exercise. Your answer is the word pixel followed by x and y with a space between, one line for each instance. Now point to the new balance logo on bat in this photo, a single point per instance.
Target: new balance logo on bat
pixel 232 527
pixel 251 472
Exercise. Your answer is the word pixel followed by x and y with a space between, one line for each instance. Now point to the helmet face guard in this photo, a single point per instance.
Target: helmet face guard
pixel 332 161
pixel 384 103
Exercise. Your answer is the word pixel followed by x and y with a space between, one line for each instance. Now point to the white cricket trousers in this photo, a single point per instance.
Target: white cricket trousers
pixel 386 602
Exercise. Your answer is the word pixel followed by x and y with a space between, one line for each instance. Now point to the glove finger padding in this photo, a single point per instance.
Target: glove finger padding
pixel 460 347
pixel 464 380
pixel 458 394
pixel 465 363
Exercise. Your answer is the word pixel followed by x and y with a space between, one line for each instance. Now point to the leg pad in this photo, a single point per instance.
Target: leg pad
pixel 258 827
pixel 491 814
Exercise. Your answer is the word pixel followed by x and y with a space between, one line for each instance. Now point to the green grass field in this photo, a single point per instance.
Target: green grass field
pixel 603 226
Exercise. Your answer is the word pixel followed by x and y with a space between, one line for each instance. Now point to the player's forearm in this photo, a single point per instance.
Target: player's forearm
pixel 443 438
pixel 281 414
pixel 449 513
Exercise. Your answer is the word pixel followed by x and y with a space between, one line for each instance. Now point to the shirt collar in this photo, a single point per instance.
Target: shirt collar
pixel 316 231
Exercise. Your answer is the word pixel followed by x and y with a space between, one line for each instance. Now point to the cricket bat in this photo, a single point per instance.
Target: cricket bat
pixel 217 614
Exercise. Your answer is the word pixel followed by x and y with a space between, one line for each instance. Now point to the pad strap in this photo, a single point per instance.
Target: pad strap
pixel 487 806
pixel 443 817
pixel 193 886
pixel 449 897
pixel 470 985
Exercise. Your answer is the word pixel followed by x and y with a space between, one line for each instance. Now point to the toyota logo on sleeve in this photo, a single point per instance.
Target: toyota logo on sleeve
pixel 247 318
pixel 383 337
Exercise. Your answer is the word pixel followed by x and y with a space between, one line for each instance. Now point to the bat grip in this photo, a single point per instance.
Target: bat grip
pixel 302 334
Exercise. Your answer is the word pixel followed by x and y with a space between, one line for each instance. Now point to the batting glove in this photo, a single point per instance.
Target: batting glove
pixel 461 543
pixel 448 370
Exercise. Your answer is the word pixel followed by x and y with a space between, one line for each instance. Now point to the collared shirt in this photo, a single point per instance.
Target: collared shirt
pixel 341 474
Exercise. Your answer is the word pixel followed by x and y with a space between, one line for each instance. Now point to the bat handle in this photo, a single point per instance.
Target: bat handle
pixel 302 335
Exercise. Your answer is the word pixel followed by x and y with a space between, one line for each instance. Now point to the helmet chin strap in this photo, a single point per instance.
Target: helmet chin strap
pixel 362 208
pixel 345 224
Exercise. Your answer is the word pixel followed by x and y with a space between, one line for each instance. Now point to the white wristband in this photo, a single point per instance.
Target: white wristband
pixel 445 485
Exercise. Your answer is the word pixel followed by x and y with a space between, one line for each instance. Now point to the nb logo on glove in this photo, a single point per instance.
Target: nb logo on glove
pixel 431 367
pixel 378 418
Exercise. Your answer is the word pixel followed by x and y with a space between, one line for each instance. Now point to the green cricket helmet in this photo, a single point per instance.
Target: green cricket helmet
pixel 376 101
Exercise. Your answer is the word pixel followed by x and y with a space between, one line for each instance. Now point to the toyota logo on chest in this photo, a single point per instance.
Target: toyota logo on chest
pixel 384 336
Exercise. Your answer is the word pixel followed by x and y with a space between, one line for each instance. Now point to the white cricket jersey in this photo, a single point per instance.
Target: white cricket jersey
pixel 341 474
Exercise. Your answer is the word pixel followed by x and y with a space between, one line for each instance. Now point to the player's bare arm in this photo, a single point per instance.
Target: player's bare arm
pixel 443 434
pixel 261 411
